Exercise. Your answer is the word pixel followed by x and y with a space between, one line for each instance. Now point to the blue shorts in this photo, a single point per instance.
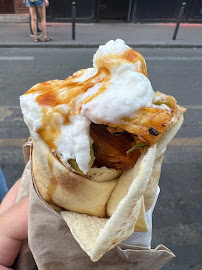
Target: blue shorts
pixel 38 3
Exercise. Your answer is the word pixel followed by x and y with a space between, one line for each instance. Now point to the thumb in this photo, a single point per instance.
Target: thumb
pixel 13 229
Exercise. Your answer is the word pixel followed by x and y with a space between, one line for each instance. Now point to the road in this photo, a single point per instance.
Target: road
pixel 177 216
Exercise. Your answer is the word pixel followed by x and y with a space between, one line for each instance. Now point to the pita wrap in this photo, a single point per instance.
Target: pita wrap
pixel 121 224
pixel 126 198
pixel 98 146
pixel 59 186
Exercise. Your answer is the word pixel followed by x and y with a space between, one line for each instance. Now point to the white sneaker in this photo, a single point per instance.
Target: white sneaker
pixel 39 35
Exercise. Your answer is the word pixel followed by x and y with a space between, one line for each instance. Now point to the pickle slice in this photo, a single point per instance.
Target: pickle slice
pixel 74 164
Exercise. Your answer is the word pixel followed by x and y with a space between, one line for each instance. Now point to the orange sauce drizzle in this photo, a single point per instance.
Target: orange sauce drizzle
pixel 133 57
pixel 57 92
pixel 50 129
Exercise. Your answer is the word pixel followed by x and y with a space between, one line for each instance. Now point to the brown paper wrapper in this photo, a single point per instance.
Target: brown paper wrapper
pixel 51 245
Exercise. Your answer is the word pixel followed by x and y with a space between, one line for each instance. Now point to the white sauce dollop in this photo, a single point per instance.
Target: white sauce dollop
pixel 128 91
pixel 31 113
pixel 75 142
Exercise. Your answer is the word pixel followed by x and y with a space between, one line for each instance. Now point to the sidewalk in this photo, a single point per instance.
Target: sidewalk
pixel 93 34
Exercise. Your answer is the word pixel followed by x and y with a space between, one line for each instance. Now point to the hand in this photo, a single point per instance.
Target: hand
pixel 46 3
pixel 13 226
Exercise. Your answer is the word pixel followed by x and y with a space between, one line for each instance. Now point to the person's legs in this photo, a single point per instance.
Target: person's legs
pixel 33 14
pixel 38 29
pixel 42 14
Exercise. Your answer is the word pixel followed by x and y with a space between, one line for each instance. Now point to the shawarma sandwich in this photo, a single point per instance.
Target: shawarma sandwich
pixel 98 142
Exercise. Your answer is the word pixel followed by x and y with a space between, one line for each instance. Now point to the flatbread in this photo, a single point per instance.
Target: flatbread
pixel 103 210
pixel 121 224
pixel 58 185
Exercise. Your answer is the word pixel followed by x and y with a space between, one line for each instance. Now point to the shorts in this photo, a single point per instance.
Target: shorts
pixel 38 3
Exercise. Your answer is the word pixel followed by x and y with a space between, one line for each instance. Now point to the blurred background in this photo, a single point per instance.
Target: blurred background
pixel 120 10
pixel 174 67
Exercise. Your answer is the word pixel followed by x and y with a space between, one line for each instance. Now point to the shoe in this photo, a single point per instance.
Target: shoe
pixel 36 40
pixel 39 35
pixel 46 39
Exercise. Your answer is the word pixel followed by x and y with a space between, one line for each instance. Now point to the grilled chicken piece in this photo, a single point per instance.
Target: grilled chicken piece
pixel 149 124
pixel 110 150
pixel 112 141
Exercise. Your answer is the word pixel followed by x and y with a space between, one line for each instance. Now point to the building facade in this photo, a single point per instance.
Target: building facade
pixel 113 10
pixel 12 7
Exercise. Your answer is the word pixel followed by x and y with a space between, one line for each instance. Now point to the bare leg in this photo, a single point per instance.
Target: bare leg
pixel 42 14
pixel 33 14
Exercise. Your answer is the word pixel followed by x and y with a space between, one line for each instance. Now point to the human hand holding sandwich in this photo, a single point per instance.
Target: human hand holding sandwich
pixel 13 226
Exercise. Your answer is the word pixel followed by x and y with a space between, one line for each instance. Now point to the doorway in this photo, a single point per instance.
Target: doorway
pixel 194 11
pixel 112 10
pixel 156 10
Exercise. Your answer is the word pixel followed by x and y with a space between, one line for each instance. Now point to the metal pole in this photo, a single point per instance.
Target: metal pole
pixel 73 19
pixel 179 20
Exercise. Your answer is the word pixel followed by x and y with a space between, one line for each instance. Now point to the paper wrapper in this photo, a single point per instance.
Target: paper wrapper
pixel 51 245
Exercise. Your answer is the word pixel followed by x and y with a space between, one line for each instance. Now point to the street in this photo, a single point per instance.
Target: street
pixel 177 217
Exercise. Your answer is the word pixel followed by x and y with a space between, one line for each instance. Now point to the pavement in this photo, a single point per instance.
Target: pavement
pixel 91 35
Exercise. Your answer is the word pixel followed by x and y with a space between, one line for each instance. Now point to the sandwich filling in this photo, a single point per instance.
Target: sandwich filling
pixel 101 116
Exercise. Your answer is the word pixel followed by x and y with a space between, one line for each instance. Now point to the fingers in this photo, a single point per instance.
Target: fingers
pixel 15 220
pixel 4 268
pixel 10 198
pixel 13 229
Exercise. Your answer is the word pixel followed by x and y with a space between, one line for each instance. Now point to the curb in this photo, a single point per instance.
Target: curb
pixel 14 18
pixel 96 45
